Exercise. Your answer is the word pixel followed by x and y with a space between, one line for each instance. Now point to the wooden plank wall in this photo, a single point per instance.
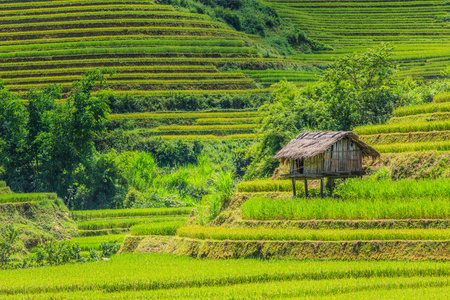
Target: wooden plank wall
pixel 343 156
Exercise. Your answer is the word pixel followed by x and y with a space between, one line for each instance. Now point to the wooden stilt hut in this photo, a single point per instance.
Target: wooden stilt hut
pixel 330 154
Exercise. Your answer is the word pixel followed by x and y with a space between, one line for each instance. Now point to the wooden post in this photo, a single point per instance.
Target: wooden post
pixel 331 180
pixel 321 187
pixel 293 187
pixel 306 188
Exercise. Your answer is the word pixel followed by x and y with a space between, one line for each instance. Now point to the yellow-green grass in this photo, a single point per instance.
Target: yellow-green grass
pixel 54 34
pixel 414 28
pixel 124 222
pixel 261 208
pixel 139 212
pixel 74 7
pixel 194 128
pixel 407 137
pixel 34 4
pixel 422 109
pixel 162 228
pixel 225 120
pixel 94 242
pixel 445 97
pixel 404 127
pixel 399 189
pixel 183 115
pixel 95 12
pixel 147 273
pixel 440 116
pixel 223 233
pixel 413 147
pixel 268 185
pixel 406 288
pixel 2 184
pixel 33 197
pixel 211 137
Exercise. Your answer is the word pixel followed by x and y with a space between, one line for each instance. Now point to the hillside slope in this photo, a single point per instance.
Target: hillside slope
pixel 152 47
pixel 419 30
pixel 39 217
pixel 415 142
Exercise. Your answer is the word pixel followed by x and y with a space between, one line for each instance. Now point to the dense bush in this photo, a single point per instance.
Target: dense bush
pixel 184 102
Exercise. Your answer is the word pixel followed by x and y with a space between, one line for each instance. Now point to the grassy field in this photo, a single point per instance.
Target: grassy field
pixel 260 234
pixel 169 276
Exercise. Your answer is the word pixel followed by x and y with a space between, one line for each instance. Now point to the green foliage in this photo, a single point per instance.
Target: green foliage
pixel 355 90
pixel 9 238
pixel 46 142
pixel 163 228
pixel 179 101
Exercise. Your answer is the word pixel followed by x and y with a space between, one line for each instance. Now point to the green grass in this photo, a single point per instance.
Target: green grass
pixel 403 127
pixel 211 121
pixel 123 222
pixel 147 273
pixel 260 208
pixel 94 242
pixel 445 97
pixel 33 197
pixel 400 189
pixel 267 186
pixel 422 109
pixel 414 287
pixel 420 118
pixel 223 233
pixel 140 212
pixel 413 147
pixel 163 228
pixel 211 137
pixel 2 184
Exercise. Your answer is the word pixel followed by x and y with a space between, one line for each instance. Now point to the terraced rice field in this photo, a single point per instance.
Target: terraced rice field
pixel 7 196
pixel 96 226
pixel 151 47
pixel 414 128
pixel 167 276
pixel 417 29
pixel 196 125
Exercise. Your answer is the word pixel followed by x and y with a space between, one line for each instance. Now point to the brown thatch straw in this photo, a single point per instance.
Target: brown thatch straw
pixel 309 144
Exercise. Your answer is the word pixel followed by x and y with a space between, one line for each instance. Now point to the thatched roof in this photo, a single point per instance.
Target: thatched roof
pixel 309 144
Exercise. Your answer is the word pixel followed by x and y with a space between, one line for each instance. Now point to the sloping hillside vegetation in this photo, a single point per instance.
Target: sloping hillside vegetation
pixel 417 29
pixel 37 217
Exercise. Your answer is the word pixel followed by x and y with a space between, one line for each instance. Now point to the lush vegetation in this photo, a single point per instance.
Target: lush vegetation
pixel 163 228
pixel 132 275
pixel 221 233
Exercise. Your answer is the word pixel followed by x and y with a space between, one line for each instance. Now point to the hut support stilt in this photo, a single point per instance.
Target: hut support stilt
pixel 293 187
pixel 321 187
pixel 306 188
pixel 330 184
